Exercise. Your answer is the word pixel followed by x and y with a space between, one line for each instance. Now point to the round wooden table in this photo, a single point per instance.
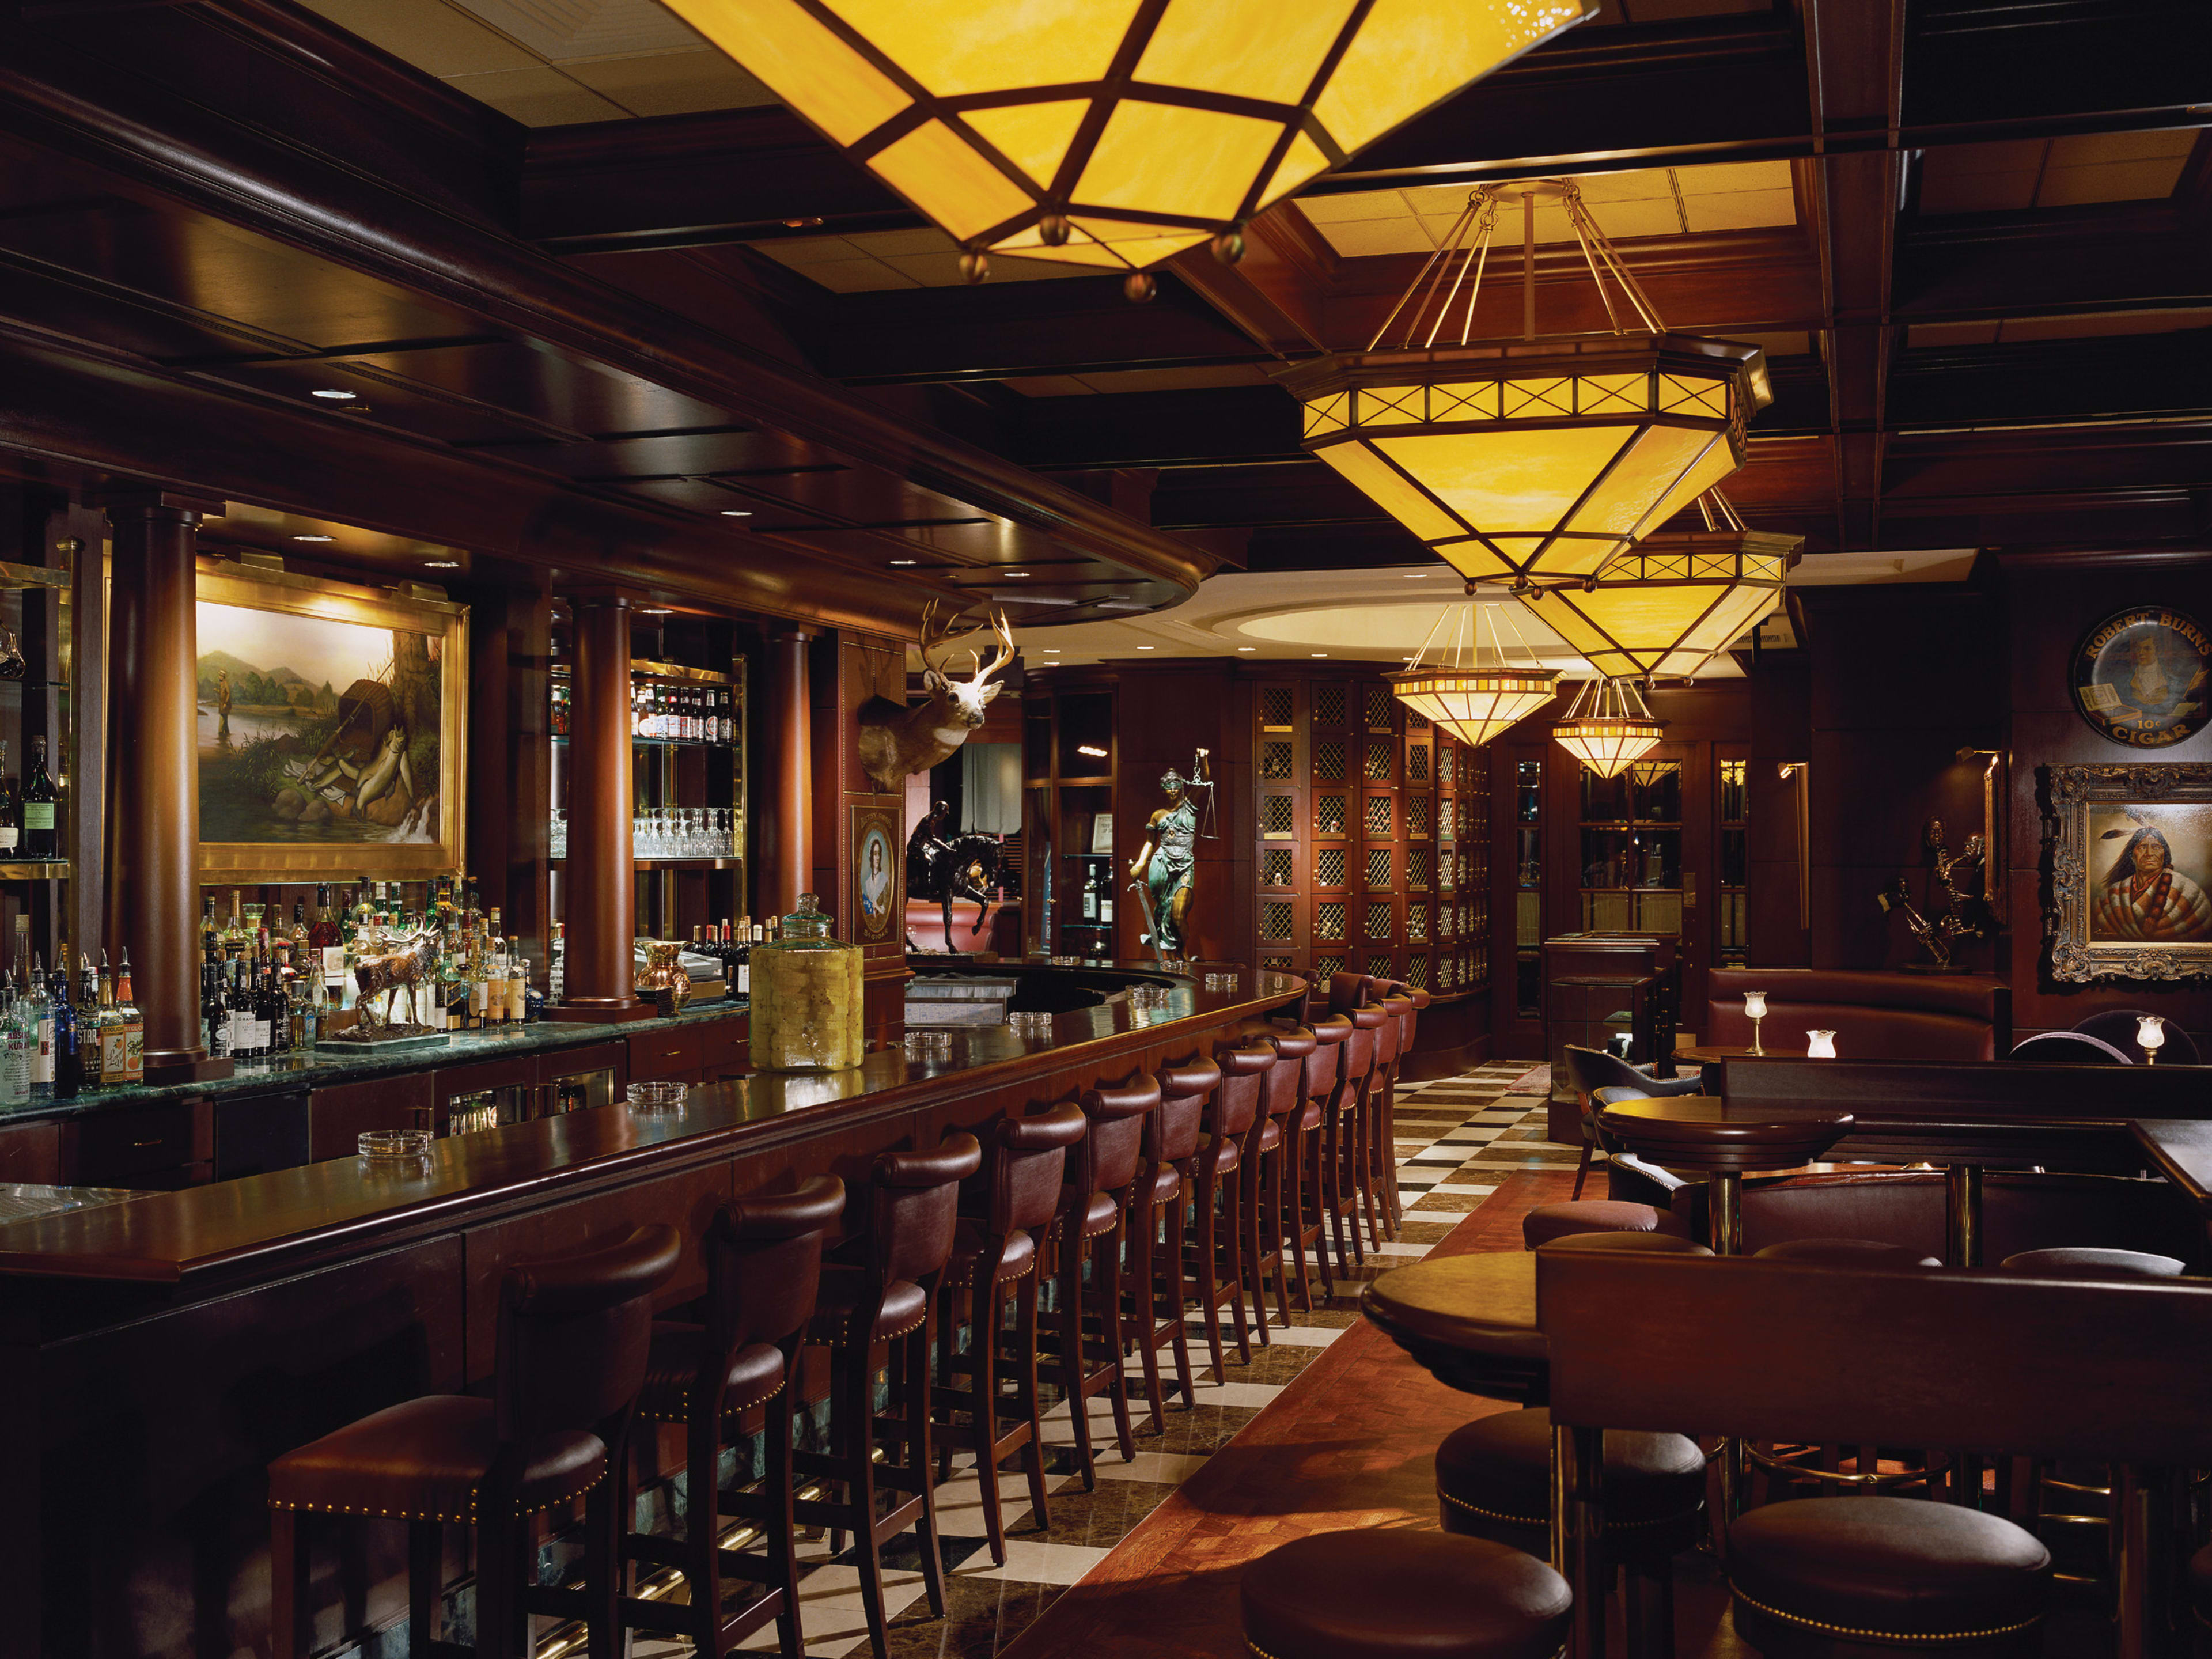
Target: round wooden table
pixel 1712 1054
pixel 1701 1132
pixel 1470 1320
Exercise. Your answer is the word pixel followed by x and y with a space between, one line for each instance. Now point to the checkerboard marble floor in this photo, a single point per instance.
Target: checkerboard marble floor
pixel 1455 1137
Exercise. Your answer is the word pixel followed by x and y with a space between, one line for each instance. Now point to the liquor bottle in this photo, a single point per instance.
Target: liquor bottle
pixel 556 972
pixel 518 981
pixel 744 952
pixel 114 1060
pixel 533 999
pixel 42 1019
pixel 311 1017
pixel 325 938
pixel 41 837
pixel 210 934
pixel 15 1051
pixel 1090 893
pixel 11 812
pixel 1106 897
pixel 300 942
pixel 245 1038
pixel 68 1066
pixel 133 1023
pixel 273 1009
pixel 479 986
pixel 215 1014
pixel 234 933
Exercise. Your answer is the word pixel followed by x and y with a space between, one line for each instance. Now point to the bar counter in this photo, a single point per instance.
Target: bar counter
pixel 160 1350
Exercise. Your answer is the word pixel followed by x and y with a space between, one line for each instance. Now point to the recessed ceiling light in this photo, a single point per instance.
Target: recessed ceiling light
pixel 654 611
pixel 1417 575
pixel 1147 647
pixel 1320 653
pixel 1017 573
pixel 737 513
pixel 311 538
pixel 905 562
pixel 336 394
pixel 1248 648
pixel 1051 650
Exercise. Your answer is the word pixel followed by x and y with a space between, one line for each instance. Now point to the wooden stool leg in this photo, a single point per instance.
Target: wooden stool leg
pixel 1107 1277
pixel 1232 1264
pixel 917 1457
pixel 1314 1195
pixel 1248 1242
pixel 287 1586
pixel 856 1403
pixel 1025 1395
pixel 1292 1170
pixel 1366 1179
pixel 983 1354
pixel 1394 1208
pixel 1071 1347
pixel 1142 1227
pixel 1200 1252
pixel 603 1535
pixel 500 1617
pixel 426 1570
pixel 783 1521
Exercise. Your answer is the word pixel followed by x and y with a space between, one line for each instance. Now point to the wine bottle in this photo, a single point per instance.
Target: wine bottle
pixel 41 839
pixel 69 1066
pixel 215 1014
pixel 11 812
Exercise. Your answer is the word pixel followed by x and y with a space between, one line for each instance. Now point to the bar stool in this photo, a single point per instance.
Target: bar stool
pixel 1271 1175
pixel 1154 1302
pixel 763 1266
pixel 1343 1128
pixel 886 1302
pixel 1214 1248
pixel 1310 1143
pixel 1364 1059
pixel 1175 1145
pixel 1394 992
pixel 1390 1593
pixel 1494 1480
pixel 572 1343
pixel 1548 1222
pixel 1855 1578
pixel 1094 1200
pixel 994 1258
pixel 1379 1144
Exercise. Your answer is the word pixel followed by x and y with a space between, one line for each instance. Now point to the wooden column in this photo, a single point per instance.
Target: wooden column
pixel 154 834
pixel 602 885
pixel 787 862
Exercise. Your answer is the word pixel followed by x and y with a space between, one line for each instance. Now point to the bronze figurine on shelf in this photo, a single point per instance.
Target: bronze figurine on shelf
pixel 1964 917
pixel 406 966
pixel 943 865
pixel 1165 868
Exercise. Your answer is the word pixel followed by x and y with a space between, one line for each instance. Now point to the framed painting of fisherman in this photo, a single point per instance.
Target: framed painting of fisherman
pixel 332 729
pixel 2131 872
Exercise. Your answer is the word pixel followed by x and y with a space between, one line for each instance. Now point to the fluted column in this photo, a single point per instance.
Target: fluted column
pixel 601 903
pixel 155 818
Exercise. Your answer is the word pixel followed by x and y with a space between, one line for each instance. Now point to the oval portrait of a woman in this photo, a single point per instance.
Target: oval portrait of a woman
pixel 2140 895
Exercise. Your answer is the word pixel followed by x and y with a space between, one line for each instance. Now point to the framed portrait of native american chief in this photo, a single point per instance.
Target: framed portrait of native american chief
pixel 2131 872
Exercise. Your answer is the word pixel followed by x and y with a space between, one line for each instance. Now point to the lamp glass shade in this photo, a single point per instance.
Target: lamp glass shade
pixel 1541 462
pixel 1755 1005
pixel 1607 744
pixel 1820 1045
pixel 1145 128
pixel 1671 604
pixel 1474 704
pixel 2150 1032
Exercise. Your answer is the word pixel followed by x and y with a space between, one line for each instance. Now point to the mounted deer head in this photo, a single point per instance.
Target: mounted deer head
pixel 895 741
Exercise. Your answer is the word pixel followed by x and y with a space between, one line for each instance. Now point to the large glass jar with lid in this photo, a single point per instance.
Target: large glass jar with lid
pixel 806 1002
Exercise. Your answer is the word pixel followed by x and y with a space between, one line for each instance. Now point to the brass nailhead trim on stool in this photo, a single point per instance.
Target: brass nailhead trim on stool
pixel 468 1520
pixel 1542 1523
pixel 683 1406
pixel 1899 1637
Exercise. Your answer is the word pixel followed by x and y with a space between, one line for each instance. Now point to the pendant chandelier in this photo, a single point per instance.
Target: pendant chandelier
pixel 1535 461
pixel 1608 725
pixel 1648 771
pixel 1112 133
pixel 1674 601
pixel 1473 700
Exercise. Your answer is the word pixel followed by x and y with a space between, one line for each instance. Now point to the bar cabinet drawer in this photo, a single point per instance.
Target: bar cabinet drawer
pixel 112 1146
pixel 723 1045
pixel 668 1055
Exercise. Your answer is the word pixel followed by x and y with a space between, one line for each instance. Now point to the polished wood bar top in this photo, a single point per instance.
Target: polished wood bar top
pixel 267 1221
pixel 1703 1132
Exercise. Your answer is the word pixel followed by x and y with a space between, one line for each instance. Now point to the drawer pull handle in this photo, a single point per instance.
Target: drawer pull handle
pixel 670 1054
pixel 155 1141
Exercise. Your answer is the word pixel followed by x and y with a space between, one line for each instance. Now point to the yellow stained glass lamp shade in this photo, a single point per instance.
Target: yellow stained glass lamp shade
pixel 1540 464
pixel 1137 128
pixel 1671 604
pixel 1474 705
pixel 1607 728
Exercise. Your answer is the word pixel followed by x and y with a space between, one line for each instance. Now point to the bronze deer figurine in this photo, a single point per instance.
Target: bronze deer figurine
pixel 897 740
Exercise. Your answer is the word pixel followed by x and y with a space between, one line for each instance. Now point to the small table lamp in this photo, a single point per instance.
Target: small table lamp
pixel 1754 1008
pixel 1821 1045
pixel 2150 1037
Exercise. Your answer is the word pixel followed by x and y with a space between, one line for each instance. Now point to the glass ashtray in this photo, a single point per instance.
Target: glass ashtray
pixel 391 1149
pixel 657 1096
pixel 1026 1022
pixel 1067 962
pixel 1223 981
pixel 1148 996
pixel 929 1044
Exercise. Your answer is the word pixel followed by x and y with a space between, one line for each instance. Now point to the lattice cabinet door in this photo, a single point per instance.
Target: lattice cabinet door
pixel 1282 815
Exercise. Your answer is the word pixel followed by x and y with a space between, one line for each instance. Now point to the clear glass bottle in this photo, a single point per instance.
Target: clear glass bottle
pixel 806 997
pixel 42 1021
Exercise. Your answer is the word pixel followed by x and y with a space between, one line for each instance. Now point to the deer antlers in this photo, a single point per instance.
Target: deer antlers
pixel 935 632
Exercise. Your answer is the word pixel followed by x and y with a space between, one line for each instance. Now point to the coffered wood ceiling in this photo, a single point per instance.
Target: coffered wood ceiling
pixel 1975 237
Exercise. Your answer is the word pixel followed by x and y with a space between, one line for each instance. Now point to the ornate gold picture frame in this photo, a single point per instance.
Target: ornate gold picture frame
pixel 2130 871
pixel 333 730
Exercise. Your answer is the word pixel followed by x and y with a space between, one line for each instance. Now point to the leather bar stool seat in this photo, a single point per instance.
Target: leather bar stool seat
pixel 1389 1593
pixel 1849 1253
pixel 429 1460
pixel 2082 1261
pixel 1494 1481
pixel 845 1294
pixel 972 1242
pixel 1549 1221
pixel 1647 1244
pixel 1841 1577
pixel 750 1377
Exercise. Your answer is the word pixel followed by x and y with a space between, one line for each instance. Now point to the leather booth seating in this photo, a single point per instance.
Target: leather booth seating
pixel 1863 1253
pixel 1843 1577
pixel 2019 1212
pixel 1873 1016
pixel 1384 1593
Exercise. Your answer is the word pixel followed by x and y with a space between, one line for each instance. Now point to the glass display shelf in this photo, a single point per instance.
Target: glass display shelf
pixel 34 870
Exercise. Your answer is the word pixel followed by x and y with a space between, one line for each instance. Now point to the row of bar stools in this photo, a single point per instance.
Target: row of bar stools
pixel 1350 1195
pixel 1176 1142
pixel 763 1267
pixel 1310 1143
pixel 885 1302
pixel 1405 1002
pixel 1081 1355
pixel 572 1344
pixel 994 1259
pixel 1153 1300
